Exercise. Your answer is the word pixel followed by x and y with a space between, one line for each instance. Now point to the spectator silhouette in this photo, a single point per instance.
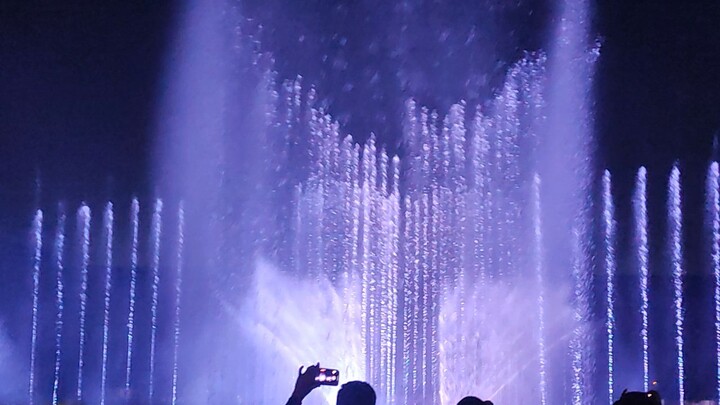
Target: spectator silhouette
pixel 356 393
pixel 639 398
pixel 352 393
pixel 473 401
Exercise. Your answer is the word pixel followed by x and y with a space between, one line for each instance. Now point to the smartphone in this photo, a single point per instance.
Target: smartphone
pixel 328 376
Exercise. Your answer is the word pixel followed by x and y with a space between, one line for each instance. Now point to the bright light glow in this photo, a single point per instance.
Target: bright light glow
pixel 301 334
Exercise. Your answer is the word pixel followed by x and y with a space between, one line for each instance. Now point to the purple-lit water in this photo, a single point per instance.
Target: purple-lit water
pixel 675 221
pixel 540 277
pixel 582 358
pixel 108 222
pixel 134 213
pixel 641 241
pixel 178 297
pixel 713 205
pixel 446 251
pixel 37 234
pixel 465 266
pixel 408 278
pixel 608 228
pixel 468 324
pixel 59 256
pixel 156 233
pixel 83 219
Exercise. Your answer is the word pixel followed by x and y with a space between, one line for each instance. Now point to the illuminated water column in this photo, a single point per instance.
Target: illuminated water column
pixel 641 243
pixel 610 267
pixel 713 205
pixel 409 249
pixel 83 216
pixel 37 242
pixel 415 305
pixel 155 268
pixel 481 200
pixel 134 212
pixel 381 271
pixel 178 296
pixel 365 263
pixel 396 252
pixel 392 260
pixel 108 229
pixel 539 275
pixel 582 356
pixel 353 248
pixel 432 277
pixel 426 298
pixel 675 228
pixel 59 299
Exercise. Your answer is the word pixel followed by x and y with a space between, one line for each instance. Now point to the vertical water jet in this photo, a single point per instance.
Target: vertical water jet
pixel 676 250
pixel 581 343
pixel 178 297
pixel 58 253
pixel 37 228
pixel 407 293
pixel 155 268
pixel 540 280
pixel 83 218
pixel 641 247
pixel 713 204
pixel 135 224
pixel 108 220
pixel 610 267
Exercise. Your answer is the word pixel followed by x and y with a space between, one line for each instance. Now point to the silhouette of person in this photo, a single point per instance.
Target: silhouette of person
pixel 639 398
pixel 351 393
pixel 473 401
pixel 356 393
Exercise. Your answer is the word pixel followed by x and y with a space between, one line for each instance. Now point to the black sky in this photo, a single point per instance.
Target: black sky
pixel 658 89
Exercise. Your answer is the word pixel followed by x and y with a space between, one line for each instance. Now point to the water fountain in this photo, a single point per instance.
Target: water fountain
pixel 59 255
pixel 641 237
pixel 608 225
pixel 713 202
pixel 430 279
pixel 675 220
pixel 466 266
pixel 108 234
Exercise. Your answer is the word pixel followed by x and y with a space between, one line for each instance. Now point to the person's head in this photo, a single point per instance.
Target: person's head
pixel 473 401
pixel 356 393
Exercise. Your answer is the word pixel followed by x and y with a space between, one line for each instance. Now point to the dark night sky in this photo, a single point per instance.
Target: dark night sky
pixel 79 80
pixel 78 84
pixel 658 89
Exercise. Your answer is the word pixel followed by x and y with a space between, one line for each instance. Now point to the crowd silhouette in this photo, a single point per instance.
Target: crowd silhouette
pixel 361 393
pixel 351 393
